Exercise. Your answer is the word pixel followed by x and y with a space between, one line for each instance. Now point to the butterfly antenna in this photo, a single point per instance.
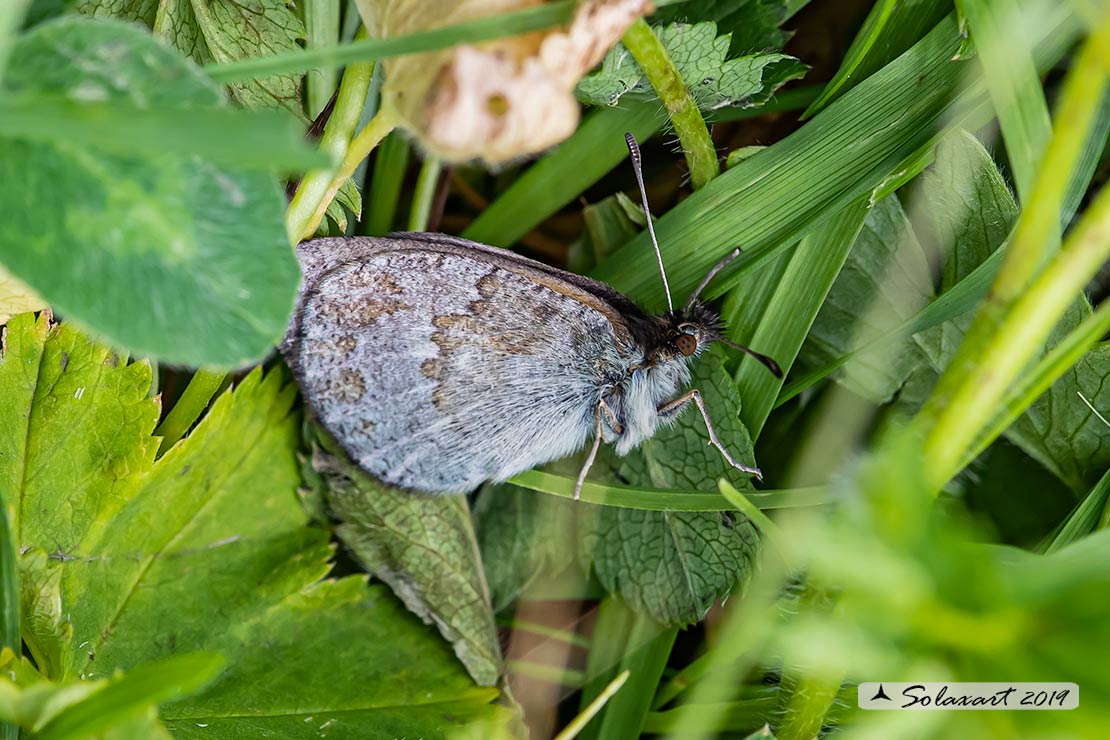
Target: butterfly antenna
pixel 767 361
pixel 637 167
pixel 709 276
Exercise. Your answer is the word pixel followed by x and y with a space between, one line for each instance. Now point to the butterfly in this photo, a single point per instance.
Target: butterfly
pixel 439 364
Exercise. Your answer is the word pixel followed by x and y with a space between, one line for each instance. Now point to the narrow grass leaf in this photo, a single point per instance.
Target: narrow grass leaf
pixel 890 28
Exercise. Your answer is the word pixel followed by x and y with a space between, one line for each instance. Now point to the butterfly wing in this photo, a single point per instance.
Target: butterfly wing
pixel 439 366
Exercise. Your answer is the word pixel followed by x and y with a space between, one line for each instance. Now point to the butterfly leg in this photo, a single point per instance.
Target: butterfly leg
pixel 674 406
pixel 593 452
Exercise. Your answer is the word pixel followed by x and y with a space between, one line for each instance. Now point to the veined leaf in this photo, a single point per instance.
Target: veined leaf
pixel 128 560
pixel 223 31
pixel 701 57
pixel 752 24
pixel 171 256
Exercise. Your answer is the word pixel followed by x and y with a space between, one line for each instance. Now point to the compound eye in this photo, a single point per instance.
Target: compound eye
pixel 687 344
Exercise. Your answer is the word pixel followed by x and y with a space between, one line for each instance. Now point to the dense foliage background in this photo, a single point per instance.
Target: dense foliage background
pixel 917 190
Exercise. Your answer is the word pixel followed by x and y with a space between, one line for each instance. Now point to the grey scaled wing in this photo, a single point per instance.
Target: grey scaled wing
pixel 439 364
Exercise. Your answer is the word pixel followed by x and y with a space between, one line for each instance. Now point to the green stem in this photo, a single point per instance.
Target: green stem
pixel 425 193
pixel 315 191
pixel 651 55
pixel 321 26
pixel 194 400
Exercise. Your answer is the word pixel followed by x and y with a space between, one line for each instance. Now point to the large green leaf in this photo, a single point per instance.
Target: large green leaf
pixel 752 24
pixel 126 559
pixel 672 565
pixel 172 256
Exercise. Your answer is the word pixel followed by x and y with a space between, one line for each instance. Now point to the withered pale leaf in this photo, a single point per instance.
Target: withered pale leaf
pixel 498 100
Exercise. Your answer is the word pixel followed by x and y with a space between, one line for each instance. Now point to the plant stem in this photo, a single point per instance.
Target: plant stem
pixel 425 193
pixel 194 400
pixel 316 190
pixel 651 55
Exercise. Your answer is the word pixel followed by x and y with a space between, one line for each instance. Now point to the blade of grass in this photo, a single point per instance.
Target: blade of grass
pixel 258 139
pixel 193 401
pixel 689 126
pixel 535 18
pixel 571 730
pixel 321 25
pixel 558 178
pixel 783 319
pixel 1084 519
pixel 966 294
pixel 425 193
pixel 890 28
pixel 630 497
pixel 608 644
pixel 390 167
pixel 583 159
pixel 999 29
pixel 646 653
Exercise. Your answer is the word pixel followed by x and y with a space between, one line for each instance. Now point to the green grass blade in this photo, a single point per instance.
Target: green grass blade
pixel 255 139
pixel 891 27
pixel 1001 33
pixel 535 18
pixel 558 178
pixel 385 184
pixel 1084 519
pixel 425 193
pixel 783 319
pixel 321 25
pixel 646 654
pixel 649 499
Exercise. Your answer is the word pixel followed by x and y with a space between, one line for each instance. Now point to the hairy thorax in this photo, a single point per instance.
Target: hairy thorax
pixel 636 399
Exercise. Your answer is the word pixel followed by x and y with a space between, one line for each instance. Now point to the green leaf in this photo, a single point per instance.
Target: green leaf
pixel 701 57
pixel 674 565
pixel 128 560
pixel 424 548
pixel 522 536
pixel 224 31
pixel 892 27
pixel 884 280
pixel 171 256
pixel 752 24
